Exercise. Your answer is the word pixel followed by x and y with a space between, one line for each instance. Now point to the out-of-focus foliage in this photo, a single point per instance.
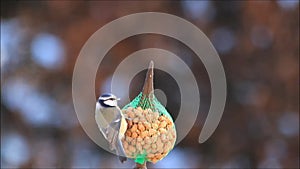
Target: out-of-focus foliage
pixel 258 43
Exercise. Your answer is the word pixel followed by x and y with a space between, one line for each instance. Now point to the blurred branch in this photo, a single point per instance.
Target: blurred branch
pixel 140 166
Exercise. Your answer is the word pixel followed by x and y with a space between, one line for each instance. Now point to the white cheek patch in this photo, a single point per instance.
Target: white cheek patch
pixel 98 106
pixel 110 102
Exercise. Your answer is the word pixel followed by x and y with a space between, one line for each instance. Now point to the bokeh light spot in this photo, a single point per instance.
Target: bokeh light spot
pixel 288 4
pixel 288 124
pixel 48 51
pixel 35 107
pixel 11 38
pixel 223 39
pixel 14 150
pixel 202 10
pixel 261 37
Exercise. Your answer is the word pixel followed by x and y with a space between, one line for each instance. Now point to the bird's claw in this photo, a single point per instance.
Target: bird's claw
pixel 122 159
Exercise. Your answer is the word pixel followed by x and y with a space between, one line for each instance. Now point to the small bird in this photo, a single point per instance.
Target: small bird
pixel 111 123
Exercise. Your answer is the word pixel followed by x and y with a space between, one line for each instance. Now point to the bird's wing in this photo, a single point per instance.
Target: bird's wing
pixel 113 135
pixel 115 141
pixel 112 132
pixel 110 121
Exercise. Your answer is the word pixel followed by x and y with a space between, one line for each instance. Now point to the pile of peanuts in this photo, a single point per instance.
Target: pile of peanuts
pixel 148 133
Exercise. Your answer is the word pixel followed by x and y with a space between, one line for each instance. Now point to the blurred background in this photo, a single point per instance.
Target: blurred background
pixel 258 43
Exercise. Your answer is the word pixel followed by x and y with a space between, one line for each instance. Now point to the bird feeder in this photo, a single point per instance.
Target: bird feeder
pixel 151 132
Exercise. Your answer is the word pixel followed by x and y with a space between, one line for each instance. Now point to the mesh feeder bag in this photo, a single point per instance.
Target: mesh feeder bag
pixel 151 132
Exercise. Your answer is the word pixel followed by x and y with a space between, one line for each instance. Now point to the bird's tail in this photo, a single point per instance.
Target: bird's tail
pixel 120 151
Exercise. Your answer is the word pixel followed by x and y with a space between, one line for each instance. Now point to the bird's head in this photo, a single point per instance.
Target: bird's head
pixel 108 100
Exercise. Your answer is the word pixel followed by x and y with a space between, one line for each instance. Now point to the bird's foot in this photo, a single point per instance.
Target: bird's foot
pixel 122 159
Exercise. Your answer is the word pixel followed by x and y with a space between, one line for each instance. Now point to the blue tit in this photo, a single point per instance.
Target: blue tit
pixel 111 122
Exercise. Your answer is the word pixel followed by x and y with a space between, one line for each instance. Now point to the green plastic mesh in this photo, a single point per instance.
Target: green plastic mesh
pixel 148 102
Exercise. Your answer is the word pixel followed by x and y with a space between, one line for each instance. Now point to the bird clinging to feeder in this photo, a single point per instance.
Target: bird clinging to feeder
pixel 111 122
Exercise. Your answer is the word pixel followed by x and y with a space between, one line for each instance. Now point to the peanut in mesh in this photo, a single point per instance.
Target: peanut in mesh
pixel 148 132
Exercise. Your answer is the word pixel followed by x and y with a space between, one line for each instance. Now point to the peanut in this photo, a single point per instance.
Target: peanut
pixel 146 146
pixel 163 137
pixel 149 111
pixel 133 142
pixel 150 155
pixel 139 147
pixel 154 160
pixel 154 151
pixel 163 124
pixel 169 122
pixel 147 125
pixel 130 109
pixel 153 139
pixel 159 144
pixel 138 132
pixel 128 133
pixel 139 109
pixel 141 127
pixel 149 150
pixel 130 114
pixel 162 130
pixel 136 120
pixel 159 156
pixel 134 135
pixel 151 132
pixel 160 150
pixel 128 139
pixel 147 140
pixel 143 120
pixel 144 134
pixel 156 115
pixel 139 139
pixel 161 118
pixel 134 128
pixel 149 117
pixel 131 149
pixel 170 137
pixel 153 146
pixel 154 126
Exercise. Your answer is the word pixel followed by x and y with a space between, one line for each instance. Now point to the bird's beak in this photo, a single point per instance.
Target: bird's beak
pixel 118 99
